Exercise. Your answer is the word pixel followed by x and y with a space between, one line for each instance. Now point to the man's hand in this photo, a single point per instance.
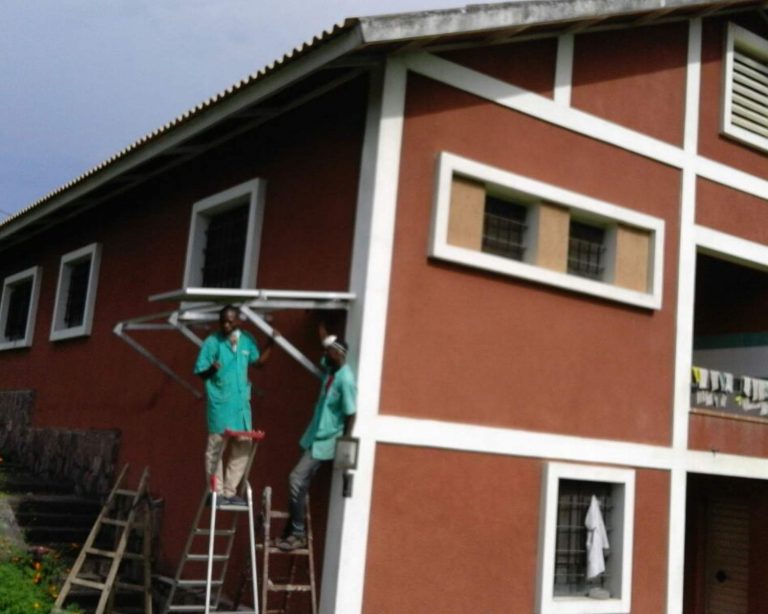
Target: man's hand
pixel 211 371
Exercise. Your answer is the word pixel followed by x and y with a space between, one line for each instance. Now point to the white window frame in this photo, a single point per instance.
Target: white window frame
pixel 546 601
pixel 736 35
pixel 35 273
pixel 530 190
pixel 59 330
pixel 250 192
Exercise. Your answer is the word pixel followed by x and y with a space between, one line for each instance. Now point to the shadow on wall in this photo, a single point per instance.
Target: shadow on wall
pixel 82 459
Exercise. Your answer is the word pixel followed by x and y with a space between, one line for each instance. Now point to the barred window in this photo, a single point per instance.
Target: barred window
pixel 224 237
pixel 573 502
pixel 20 297
pixel 225 248
pixel 586 249
pixel 77 293
pixel 504 228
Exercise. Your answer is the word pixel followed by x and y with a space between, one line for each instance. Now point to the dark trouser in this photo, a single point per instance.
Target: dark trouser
pixel 299 485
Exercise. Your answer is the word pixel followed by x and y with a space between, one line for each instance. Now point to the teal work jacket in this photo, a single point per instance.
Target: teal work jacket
pixel 228 391
pixel 337 401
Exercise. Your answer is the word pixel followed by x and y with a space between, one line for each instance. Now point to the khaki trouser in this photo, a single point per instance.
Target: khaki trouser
pixel 226 481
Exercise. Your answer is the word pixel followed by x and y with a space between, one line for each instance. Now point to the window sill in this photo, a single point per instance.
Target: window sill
pixel 14 345
pixel 69 333
pixel 585 605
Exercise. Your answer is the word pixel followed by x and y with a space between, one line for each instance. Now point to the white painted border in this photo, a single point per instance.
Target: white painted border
pixel 564 69
pixel 547 603
pixel 251 192
pixel 731 247
pixel 450 165
pixel 58 330
pixel 344 567
pixel 736 35
pixel 36 273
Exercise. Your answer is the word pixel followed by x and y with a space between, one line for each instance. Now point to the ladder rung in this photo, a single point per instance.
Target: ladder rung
pixel 289 588
pixel 133 556
pixel 126 493
pixel 278 514
pixel 200 582
pixel 88 583
pixel 186 608
pixel 99 552
pixel 204 557
pixel 114 522
pixel 276 550
pixel 216 532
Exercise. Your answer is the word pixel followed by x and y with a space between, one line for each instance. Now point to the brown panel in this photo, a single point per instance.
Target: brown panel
pixel 731 211
pixel 633 247
pixel 634 77
pixel 552 239
pixel 728 434
pixel 712 144
pixel 465 219
pixel 727 562
pixel 530 65
pixel 469 346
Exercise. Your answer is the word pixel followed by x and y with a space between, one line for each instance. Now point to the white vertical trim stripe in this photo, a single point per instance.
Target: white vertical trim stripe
pixel 564 69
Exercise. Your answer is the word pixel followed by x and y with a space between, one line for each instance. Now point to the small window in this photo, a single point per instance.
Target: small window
pixel 585 561
pixel 745 112
pixel 504 228
pixel 586 250
pixel 76 293
pixel 494 220
pixel 222 251
pixel 18 308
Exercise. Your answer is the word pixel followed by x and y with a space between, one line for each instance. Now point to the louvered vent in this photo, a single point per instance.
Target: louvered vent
pixel 749 91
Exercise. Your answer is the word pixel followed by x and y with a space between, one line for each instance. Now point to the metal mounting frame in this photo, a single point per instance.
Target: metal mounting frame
pixel 201 305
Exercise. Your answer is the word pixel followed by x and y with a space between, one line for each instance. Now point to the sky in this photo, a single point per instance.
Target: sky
pixel 82 79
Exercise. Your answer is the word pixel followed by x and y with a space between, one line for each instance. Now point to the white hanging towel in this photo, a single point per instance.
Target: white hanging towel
pixel 597 539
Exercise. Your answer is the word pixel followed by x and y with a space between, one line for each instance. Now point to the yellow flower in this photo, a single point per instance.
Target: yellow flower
pixel 36 605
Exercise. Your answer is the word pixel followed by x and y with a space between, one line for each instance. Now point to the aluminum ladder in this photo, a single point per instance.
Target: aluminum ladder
pixel 204 587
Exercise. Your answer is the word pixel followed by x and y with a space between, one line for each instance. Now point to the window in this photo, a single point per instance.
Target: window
pixel 76 293
pixel 18 308
pixel 745 108
pixel 586 248
pixel 491 219
pixel 504 228
pixel 564 583
pixel 222 251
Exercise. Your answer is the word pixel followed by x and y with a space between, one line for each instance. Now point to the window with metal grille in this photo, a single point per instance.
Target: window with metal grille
pixel 586 249
pixel 18 310
pixel 574 497
pixel 79 273
pixel 224 249
pixel 504 228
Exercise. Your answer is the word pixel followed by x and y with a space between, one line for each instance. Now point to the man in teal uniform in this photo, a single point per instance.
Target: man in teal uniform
pixel 333 416
pixel 223 364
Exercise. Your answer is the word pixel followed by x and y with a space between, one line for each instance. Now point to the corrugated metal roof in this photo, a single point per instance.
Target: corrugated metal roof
pixel 384 30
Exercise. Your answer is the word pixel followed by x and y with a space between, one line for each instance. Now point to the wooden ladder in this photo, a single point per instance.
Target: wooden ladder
pixel 126 511
pixel 287 586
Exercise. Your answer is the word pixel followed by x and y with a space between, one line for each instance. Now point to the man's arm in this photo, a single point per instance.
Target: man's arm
pixel 207 362
pixel 265 354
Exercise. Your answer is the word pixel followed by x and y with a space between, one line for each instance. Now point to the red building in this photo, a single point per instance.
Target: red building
pixel 553 217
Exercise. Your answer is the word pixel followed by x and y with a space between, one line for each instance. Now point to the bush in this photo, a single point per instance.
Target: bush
pixel 29 581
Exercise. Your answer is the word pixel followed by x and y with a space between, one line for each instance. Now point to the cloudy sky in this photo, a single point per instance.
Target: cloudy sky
pixel 81 79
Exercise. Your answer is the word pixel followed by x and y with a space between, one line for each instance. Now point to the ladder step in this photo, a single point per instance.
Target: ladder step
pixel 88 583
pixel 299 551
pixel 126 493
pixel 204 557
pixel 219 532
pixel 134 556
pixel 186 608
pixel 289 588
pixel 200 582
pixel 99 552
pixel 114 522
pixel 129 586
pixel 278 514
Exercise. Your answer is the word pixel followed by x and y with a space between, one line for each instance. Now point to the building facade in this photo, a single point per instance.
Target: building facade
pixel 553 219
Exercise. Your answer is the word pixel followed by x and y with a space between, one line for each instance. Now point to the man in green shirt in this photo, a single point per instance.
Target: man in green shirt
pixel 333 416
pixel 223 364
